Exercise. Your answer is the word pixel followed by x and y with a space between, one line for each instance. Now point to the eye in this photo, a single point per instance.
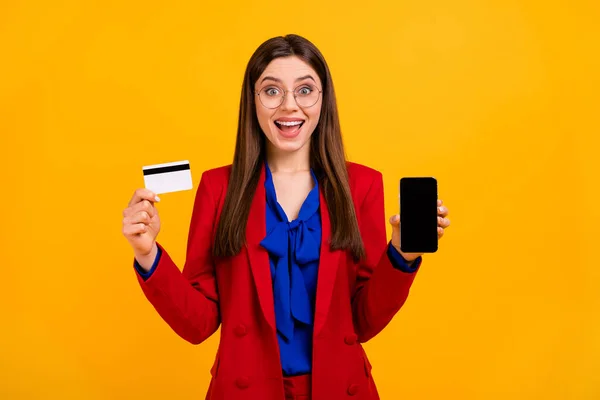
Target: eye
pixel 272 91
pixel 304 90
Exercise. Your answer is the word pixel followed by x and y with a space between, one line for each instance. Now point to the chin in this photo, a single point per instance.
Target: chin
pixel 289 146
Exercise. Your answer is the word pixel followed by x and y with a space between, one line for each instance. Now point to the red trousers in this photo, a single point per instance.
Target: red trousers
pixel 297 387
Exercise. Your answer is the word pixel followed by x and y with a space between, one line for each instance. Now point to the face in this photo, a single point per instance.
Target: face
pixel 289 126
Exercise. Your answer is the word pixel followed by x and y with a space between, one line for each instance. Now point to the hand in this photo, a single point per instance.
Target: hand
pixel 141 222
pixel 443 223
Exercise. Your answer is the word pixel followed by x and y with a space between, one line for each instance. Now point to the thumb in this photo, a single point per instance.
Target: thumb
pixel 395 222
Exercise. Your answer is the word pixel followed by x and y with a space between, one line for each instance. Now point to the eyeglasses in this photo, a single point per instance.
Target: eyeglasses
pixel 305 95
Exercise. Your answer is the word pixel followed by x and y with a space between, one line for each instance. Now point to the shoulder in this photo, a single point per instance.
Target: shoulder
pixel 364 181
pixel 214 182
pixel 218 175
pixel 362 176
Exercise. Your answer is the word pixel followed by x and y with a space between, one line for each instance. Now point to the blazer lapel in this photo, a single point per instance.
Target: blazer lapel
pixel 328 266
pixel 256 231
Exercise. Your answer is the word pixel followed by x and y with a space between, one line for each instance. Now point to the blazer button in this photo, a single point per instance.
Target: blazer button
pixel 350 339
pixel 352 389
pixel 242 382
pixel 240 330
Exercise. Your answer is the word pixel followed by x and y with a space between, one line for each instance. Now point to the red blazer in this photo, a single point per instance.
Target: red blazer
pixel 353 302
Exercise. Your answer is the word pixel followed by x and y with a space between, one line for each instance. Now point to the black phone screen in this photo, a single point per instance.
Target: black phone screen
pixel 418 215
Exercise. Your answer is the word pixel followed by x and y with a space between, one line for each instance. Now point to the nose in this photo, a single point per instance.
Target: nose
pixel 289 101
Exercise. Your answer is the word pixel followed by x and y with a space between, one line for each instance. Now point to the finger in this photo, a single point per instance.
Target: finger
pixel 141 217
pixel 440 232
pixel 147 206
pixel 143 205
pixel 134 229
pixel 395 220
pixel 443 222
pixel 143 194
pixel 443 211
pixel 439 203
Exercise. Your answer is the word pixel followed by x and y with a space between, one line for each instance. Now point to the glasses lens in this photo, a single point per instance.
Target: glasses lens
pixel 271 96
pixel 306 95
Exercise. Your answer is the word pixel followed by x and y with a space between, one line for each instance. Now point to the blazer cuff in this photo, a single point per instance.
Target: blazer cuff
pixel 145 275
pixel 400 263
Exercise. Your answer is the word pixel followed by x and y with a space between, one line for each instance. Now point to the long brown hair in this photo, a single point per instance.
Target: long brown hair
pixel 327 156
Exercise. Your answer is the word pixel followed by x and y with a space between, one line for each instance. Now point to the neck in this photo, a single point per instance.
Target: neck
pixel 289 162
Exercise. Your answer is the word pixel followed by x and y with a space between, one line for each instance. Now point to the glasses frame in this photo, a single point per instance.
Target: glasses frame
pixel 285 92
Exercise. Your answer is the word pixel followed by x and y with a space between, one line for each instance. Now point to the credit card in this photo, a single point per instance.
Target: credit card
pixel 169 177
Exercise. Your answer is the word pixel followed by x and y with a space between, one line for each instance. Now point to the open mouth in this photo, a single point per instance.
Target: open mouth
pixel 289 127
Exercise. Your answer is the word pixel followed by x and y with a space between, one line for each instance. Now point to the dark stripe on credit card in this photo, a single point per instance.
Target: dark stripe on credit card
pixel 162 170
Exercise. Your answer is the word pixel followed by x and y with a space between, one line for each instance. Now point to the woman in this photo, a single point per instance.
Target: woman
pixel 287 247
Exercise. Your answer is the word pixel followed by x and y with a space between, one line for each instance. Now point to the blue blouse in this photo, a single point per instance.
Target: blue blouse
pixel 294 249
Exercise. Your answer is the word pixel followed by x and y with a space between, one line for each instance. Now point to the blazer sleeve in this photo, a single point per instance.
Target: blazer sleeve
pixel 381 289
pixel 188 300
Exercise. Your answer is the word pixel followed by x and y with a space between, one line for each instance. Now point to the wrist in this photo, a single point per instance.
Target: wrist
pixel 147 260
pixel 408 257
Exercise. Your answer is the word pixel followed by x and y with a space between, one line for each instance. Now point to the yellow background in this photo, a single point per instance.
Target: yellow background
pixel 496 99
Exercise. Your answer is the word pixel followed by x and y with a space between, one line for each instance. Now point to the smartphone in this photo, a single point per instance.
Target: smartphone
pixel 418 215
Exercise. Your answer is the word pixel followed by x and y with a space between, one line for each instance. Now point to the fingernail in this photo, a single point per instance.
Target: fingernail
pixel 156 198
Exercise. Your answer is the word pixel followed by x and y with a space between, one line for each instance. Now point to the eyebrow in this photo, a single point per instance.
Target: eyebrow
pixel 279 80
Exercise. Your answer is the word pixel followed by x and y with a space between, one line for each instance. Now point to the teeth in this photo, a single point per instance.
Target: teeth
pixel 291 123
